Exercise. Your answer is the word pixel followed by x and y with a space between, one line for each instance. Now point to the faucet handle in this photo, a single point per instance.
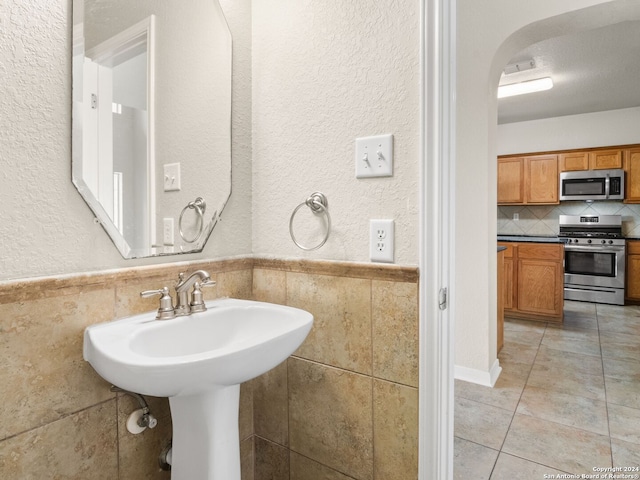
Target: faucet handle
pixel 165 311
pixel 197 299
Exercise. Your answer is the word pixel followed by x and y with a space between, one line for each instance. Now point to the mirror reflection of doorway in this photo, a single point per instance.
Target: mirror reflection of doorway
pixel 117 131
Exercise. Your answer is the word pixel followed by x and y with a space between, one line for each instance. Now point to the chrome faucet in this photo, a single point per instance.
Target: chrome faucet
pixel 197 279
pixel 166 310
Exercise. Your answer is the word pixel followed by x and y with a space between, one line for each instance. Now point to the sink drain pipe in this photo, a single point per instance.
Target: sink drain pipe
pixel 164 460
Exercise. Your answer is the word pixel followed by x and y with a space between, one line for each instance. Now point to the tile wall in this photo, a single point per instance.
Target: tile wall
pixel 349 391
pixel 543 219
pixel 345 405
pixel 58 418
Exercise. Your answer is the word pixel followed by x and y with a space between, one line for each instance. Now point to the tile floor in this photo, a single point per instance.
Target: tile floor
pixel 567 401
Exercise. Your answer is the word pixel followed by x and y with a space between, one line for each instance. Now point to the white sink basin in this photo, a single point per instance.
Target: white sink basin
pixel 232 342
pixel 198 361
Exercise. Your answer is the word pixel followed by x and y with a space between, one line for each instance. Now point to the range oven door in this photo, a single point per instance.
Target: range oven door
pixel 597 266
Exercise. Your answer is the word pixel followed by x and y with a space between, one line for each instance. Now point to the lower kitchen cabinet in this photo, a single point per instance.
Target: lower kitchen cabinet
pixel 632 175
pixel 632 291
pixel 500 309
pixel 534 281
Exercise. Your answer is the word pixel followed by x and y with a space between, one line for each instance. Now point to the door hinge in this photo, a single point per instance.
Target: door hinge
pixel 94 101
pixel 442 299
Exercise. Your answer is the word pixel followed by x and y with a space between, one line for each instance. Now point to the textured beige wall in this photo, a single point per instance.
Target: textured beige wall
pixel 325 73
pixel 45 226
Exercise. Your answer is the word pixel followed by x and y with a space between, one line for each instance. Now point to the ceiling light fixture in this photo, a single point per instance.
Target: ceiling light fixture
pixel 521 88
pixel 519 67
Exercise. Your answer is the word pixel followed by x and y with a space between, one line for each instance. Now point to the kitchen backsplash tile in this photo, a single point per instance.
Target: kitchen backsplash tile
pixel 542 220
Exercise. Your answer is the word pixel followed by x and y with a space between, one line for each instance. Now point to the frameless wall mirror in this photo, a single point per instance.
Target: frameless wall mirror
pixel 151 133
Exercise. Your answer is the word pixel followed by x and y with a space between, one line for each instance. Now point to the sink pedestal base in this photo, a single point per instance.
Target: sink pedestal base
pixel 205 435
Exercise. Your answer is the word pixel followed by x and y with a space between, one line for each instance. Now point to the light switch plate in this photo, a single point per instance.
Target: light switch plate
pixel 374 156
pixel 171 177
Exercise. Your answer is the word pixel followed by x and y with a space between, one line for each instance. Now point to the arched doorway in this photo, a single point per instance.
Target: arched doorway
pixel 507 29
pixel 459 125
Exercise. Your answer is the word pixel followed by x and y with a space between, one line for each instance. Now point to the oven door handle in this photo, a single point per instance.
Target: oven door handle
pixel 599 248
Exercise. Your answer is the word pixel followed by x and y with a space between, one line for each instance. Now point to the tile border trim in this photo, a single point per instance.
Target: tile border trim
pixel 29 289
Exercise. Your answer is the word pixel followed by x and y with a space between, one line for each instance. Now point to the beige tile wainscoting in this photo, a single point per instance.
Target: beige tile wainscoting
pixel 344 406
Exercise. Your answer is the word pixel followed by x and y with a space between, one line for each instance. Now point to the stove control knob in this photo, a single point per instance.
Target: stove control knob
pixel 610 242
pixel 589 241
pixel 576 240
pixel 603 241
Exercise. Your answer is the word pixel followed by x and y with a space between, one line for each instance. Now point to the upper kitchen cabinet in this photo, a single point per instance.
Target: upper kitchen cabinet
pixel 632 175
pixel 590 160
pixel 605 159
pixel 510 180
pixel 528 180
pixel 573 161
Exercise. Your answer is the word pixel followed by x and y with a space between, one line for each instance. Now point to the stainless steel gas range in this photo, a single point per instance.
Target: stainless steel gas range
pixel 594 258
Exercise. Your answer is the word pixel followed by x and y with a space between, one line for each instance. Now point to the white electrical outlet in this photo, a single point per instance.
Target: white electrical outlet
pixel 381 236
pixel 167 232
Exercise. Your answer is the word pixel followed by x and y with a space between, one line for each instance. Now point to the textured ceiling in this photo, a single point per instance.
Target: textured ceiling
pixel 592 71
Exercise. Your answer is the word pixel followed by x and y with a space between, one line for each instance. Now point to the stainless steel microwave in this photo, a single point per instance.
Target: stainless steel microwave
pixel 592 185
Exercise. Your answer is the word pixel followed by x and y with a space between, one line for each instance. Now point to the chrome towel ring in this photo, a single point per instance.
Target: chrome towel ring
pixel 318 204
pixel 200 206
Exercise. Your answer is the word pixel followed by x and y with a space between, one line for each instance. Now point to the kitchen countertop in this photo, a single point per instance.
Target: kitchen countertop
pixel 529 238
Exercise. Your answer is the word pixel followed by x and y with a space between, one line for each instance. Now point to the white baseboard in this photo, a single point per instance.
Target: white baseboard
pixel 481 377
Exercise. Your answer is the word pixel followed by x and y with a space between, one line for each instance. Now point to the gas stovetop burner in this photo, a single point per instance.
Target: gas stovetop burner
pixel 591 234
pixel 591 229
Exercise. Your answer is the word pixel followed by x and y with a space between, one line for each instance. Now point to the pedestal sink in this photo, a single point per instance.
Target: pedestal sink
pixel 199 362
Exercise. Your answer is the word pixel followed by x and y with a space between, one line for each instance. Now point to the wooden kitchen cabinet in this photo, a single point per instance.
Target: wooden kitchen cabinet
pixel 508 275
pixel 500 303
pixel 534 281
pixel 573 161
pixel 631 167
pixel 605 159
pixel 510 180
pixel 528 180
pixel 632 291
pixel 541 181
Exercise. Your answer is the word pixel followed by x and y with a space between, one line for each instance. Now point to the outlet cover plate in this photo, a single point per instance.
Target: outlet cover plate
pixel 381 240
pixel 374 156
pixel 167 231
